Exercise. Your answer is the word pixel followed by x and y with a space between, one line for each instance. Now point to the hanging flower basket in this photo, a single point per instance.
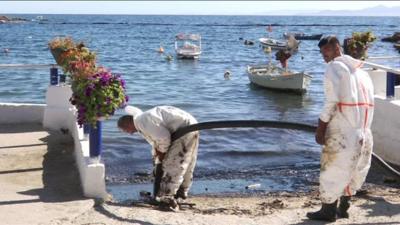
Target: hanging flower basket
pixel 96 92
pixel 57 52
pixel 76 60
pixel 354 49
pixel 357 45
pixel 98 97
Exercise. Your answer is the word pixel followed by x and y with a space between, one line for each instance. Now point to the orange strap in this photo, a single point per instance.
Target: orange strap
pixel 347 190
pixel 340 104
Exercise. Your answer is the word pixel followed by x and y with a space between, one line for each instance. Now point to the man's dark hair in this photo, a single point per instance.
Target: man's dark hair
pixel 328 40
pixel 123 120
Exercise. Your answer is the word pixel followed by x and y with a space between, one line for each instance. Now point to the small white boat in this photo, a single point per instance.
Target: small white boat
pixel 270 76
pixel 188 46
pixel 39 19
pixel 291 43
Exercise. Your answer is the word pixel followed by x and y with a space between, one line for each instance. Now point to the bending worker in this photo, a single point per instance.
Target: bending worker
pixel 343 130
pixel 174 162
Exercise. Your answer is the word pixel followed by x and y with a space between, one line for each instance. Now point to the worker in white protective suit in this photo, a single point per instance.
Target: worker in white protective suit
pixel 174 162
pixel 343 130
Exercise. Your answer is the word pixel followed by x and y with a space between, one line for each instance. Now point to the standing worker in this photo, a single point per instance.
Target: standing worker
pixel 174 162
pixel 343 130
pixel 283 57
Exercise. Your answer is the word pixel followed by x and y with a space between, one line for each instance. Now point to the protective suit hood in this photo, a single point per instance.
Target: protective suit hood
pixel 351 63
pixel 133 111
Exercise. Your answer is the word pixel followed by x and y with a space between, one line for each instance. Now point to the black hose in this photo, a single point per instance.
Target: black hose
pixel 263 123
pixel 241 123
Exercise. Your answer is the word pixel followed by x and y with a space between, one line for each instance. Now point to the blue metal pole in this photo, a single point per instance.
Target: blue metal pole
pixel 86 128
pixel 95 140
pixel 53 76
pixel 390 83
pixel 63 78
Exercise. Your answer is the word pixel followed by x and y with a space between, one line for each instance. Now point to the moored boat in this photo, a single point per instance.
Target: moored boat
pixel 302 36
pixel 188 46
pixel 273 77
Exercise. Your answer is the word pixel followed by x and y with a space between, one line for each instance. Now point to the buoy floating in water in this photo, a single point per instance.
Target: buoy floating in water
pixel 227 74
pixel 267 49
pixel 161 50
pixel 247 42
pixel 169 57
pixel 6 50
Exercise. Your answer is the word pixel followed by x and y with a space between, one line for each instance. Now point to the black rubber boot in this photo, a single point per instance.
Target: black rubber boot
pixel 180 194
pixel 158 174
pixel 326 213
pixel 343 207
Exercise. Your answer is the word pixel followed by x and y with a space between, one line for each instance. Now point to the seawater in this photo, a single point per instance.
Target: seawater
pixel 229 159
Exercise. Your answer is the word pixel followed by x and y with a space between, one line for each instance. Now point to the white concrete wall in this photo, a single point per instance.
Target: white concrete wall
pixel 14 113
pixel 386 123
pixel 378 77
pixel 60 113
pixel 386 129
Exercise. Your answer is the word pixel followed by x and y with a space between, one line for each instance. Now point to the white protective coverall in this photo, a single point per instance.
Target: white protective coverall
pixel 156 125
pixel 348 110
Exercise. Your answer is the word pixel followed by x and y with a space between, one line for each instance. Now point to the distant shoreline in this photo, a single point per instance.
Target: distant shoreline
pixel 255 15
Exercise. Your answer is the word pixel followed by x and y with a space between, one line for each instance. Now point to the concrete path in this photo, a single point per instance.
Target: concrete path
pixel 39 182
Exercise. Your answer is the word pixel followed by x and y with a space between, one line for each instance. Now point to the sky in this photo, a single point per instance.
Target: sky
pixel 182 7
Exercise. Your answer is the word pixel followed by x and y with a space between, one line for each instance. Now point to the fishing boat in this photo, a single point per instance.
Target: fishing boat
pixel 188 46
pixel 274 44
pixel 274 77
pixel 302 36
pixel 291 43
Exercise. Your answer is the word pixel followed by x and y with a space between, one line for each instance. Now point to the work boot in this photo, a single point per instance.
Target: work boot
pixel 158 174
pixel 168 202
pixel 343 207
pixel 326 213
pixel 181 194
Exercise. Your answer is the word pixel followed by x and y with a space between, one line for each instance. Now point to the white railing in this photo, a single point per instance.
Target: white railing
pixel 27 66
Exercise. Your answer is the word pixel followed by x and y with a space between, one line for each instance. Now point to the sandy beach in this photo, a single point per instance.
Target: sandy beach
pixel 377 203
pixel 381 205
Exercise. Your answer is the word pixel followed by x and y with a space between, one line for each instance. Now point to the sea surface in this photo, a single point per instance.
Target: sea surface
pixel 229 159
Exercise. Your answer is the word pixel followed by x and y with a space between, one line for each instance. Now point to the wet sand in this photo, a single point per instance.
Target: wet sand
pixel 377 203
pixel 380 206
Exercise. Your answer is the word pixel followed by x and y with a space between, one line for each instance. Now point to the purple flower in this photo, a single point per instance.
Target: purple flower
pixel 123 105
pixel 89 89
pixel 104 81
pixel 108 100
pixel 126 98
pixel 123 83
pixel 88 92
pixel 82 109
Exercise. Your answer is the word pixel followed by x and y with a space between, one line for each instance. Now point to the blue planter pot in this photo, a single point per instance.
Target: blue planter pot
pixel 95 142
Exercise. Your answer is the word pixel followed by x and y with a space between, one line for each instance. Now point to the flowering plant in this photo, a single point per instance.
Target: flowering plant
pixel 74 59
pixel 98 96
pixel 358 44
pixel 97 92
